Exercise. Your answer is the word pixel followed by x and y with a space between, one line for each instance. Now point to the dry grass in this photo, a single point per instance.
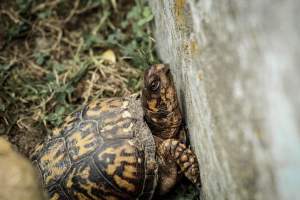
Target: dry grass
pixel 51 60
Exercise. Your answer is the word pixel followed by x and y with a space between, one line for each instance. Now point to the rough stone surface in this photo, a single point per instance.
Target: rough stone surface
pixel 18 180
pixel 236 65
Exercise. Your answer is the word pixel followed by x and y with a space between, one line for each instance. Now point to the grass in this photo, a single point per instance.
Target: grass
pixel 51 56
pixel 56 55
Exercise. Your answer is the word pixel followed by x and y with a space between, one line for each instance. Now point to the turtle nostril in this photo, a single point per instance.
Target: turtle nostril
pixel 167 69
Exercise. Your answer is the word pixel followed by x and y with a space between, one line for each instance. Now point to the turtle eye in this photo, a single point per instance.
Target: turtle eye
pixel 154 85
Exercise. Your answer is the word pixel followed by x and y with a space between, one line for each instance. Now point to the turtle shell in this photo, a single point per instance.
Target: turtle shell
pixel 105 151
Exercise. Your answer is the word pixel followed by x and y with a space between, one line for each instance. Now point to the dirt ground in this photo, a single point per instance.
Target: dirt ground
pixel 57 55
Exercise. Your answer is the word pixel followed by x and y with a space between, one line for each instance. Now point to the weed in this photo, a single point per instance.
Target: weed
pixel 50 59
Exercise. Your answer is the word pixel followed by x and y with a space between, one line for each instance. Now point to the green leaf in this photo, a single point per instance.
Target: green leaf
pixel 41 58
pixel 91 40
pixel 45 14
pixel 56 118
pixel 17 30
pixel 2 107
pixel 145 20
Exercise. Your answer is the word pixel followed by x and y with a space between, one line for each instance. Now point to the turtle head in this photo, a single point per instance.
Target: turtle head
pixel 160 101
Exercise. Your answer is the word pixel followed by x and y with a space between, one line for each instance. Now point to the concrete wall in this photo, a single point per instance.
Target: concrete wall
pixel 236 65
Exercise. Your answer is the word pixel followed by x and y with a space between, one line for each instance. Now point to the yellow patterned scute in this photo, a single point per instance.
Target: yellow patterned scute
pixel 85 182
pixel 96 109
pixel 56 193
pixel 37 151
pixel 115 119
pixel 54 162
pixel 55 196
pixel 83 140
pixel 69 123
pixel 122 164
pixel 119 127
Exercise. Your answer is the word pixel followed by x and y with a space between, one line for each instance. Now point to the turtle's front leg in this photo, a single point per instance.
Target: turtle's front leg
pixel 173 150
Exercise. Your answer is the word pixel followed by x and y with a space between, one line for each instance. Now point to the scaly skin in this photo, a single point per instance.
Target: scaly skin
pixel 163 116
pixel 178 152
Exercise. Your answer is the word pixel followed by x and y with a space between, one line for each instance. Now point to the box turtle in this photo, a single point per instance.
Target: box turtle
pixel 119 148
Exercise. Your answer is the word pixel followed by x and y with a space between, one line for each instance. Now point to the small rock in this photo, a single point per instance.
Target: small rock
pixel 17 175
pixel 109 56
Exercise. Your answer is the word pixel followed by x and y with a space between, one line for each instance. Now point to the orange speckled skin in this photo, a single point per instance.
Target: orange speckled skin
pixel 163 116
pixel 108 150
